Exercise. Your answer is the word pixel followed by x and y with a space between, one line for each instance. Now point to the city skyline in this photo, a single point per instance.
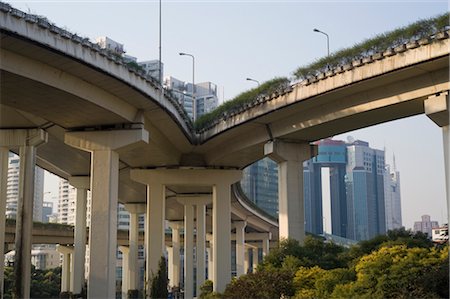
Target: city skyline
pixel 239 42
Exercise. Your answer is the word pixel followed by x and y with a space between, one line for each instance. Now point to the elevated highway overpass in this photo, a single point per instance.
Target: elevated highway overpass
pixel 81 112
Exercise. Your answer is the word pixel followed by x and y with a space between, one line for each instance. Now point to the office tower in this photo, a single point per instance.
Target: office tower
pixel 260 184
pixel 47 211
pixel 332 154
pixel 392 199
pixel 12 194
pixel 365 191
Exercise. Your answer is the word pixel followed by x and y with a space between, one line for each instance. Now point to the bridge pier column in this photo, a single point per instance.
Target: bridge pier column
pixel 82 184
pixel 188 248
pixel 437 109
pixel 4 154
pixel 265 245
pixel 210 261
pixel 220 181
pixel 104 187
pixel 290 157
pixel 67 252
pixel 125 271
pixel 155 224
pixel 174 261
pixel 135 209
pixel 255 258
pixel 246 260
pixel 201 240
pixel 222 234
pixel 26 140
pixel 240 247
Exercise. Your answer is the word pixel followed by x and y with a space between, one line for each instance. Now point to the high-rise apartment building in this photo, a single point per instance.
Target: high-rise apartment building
pixel 426 225
pixel 151 67
pixel 12 193
pixel 205 95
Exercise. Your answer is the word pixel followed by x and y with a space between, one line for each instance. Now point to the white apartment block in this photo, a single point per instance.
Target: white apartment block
pixel 12 193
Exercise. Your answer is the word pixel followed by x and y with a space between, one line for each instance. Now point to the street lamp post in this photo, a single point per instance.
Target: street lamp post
pixel 328 39
pixel 194 104
pixel 250 79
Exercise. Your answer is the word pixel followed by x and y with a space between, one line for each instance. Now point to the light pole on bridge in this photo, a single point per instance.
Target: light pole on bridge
pixel 194 104
pixel 328 40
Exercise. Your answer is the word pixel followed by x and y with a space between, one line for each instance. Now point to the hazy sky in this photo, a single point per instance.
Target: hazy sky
pixel 233 40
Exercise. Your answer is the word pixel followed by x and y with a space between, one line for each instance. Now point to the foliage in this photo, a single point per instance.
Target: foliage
pixel 206 289
pixel 382 42
pixel 314 252
pixel 400 272
pixel 393 237
pixel 44 283
pixel 160 281
pixel 269 283
pixel 247 97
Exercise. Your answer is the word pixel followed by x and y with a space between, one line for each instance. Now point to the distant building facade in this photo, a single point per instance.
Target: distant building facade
pixel 364 192
pixel 426 225
pixel 392 199
pixel 12 187
pixel 205 95
pixel 260 184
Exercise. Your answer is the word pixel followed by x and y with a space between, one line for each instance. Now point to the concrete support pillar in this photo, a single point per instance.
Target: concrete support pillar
pixel 201 240
pixel 265 246
pixel 82 184
pixel 437 109
pixel 188 251
pixel 155 224
pixel 246 261
pixel 220 180
pixel 125 273
pixel 103 146
pixel 133 256
pixel 290 157
pixel 446 142
pixel 255 260
pixel 210 261
pixel 26 140
pixel 221 236
pixel 240 247
pixel 66 252
pixel 4 152
pixel 174 262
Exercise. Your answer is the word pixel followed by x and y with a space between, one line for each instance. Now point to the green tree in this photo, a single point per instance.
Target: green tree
pixel 400 272
pixel 268 283
pixel 159 282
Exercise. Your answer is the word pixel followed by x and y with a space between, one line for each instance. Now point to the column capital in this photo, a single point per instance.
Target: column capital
pixel 181 176
pixel 22 137
pixel 239 224
pixel 280 150
pixel 176 224
pixel 64 249
pixel 80 182
pixel 194 200
pixel 436 108
pixel 136 208
pixel 124 249
pixel 105 140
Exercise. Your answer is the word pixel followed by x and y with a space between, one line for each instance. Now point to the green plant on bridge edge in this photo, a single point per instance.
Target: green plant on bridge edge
pixel 415 31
